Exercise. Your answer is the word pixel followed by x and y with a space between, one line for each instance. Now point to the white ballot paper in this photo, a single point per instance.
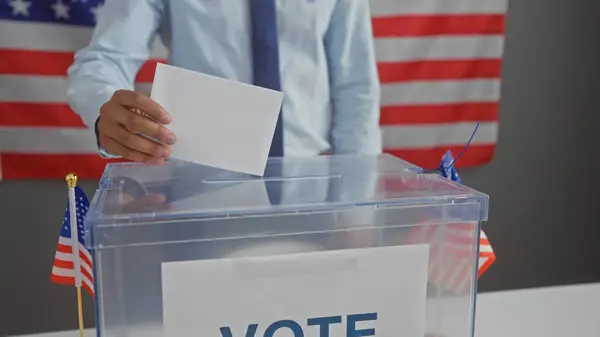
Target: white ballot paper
pixel 218 122
pixel 358 292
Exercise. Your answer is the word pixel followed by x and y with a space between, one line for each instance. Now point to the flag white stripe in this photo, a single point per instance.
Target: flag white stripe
pixel 67 242
pixel 89 283
pixel 87 268
pixel 53 89
pixel 41 89
pixel 439 92
pixel 43 36
pixel 64 256
pixel 50 37
pixel 70 273
pixel 407 7
pixel 415 136
pixel 71 140
pixel 65 272
pixel 438 48
pixel 53 37
pixel 17 88
pixel 486 248
pixel 69 258
pixel 85 253
pixel 48 140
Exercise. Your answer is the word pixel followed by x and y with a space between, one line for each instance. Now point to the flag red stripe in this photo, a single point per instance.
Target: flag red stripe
pixel 439 113
pixel 64 249
pixel 85 259
pixel 429 158
pixel 26 166
pixel 67 280
pixel 63 264
pixel 491 258
pixel 69 264
pixel 146 72
pixel 22 114
pixel 17 114
pixel 86 274
pixel 88 289
pixel 391 72
pixel 49 63
pixel 34 62
pixel 427 25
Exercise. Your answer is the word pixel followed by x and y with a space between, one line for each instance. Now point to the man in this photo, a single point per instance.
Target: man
pixel 318 52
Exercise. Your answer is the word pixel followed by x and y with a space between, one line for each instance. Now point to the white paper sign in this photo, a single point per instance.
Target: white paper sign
pixel 372 292
pixel 218 122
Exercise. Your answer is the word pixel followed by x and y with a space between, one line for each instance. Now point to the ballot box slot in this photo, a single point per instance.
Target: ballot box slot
pixel 271 179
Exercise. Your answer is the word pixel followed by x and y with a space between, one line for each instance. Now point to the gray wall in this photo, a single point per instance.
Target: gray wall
pixel 544 213
pixel 543 220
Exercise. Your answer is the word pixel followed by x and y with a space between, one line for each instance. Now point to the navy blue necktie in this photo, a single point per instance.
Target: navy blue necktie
pixel 265 58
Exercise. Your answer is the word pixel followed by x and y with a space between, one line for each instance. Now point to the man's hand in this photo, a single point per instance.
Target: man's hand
pixel 123 120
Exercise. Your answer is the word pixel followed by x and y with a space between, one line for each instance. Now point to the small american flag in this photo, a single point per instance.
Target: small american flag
pixel 486 253
pixel 64 268
pixel 450 263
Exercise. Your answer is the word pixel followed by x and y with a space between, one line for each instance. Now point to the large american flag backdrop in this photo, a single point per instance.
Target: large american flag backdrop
pixel 439 64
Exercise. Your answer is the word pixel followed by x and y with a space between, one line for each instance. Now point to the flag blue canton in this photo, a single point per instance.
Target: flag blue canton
pixel 66 12
pixel 82 205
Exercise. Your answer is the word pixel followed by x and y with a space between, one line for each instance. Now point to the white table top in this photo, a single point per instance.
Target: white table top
pixel 539 312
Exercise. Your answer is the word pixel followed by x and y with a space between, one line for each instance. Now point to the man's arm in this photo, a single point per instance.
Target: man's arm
pixel 121 43
pixel 354 80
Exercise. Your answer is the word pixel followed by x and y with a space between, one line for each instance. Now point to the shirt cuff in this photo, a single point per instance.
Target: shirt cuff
pixel 101 151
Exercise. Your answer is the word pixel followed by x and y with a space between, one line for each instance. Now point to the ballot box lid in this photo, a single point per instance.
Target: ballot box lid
pixel 132 192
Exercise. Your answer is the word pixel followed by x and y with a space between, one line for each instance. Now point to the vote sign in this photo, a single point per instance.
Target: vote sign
pixel 322 325
pixel 346 293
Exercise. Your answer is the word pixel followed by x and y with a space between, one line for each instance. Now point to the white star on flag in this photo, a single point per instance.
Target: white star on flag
pixel 20 7
pixel 61 11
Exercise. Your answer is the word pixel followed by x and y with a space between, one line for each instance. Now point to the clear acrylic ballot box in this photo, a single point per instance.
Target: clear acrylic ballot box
pixel 342 245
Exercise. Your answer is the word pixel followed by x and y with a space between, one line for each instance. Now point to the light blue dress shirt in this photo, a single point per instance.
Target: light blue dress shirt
pixel 327 60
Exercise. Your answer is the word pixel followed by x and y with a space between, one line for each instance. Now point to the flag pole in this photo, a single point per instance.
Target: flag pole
pixel 71 180
pixel 80 311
